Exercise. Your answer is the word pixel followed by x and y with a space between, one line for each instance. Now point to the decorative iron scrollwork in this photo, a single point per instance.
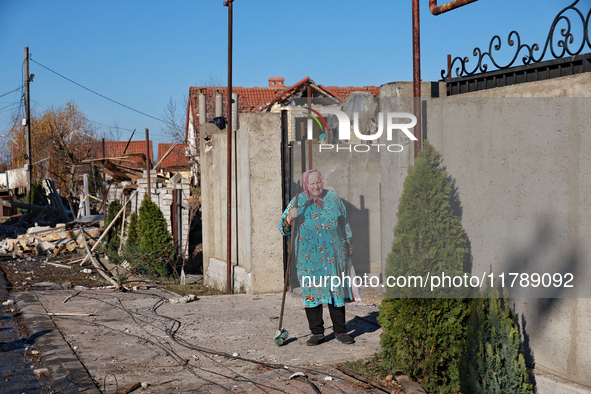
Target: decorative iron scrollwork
pixel 558 49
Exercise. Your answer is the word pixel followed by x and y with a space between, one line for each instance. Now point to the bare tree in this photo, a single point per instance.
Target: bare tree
pixel 114 133
pixel 176 117
pixel 212 81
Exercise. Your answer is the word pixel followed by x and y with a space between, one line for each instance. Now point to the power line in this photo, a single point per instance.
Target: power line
pixel 11 91
pixel 98 94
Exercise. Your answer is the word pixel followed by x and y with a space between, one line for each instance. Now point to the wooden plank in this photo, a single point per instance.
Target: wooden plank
pixel 96 264
pixel 129 388
pixel 165 155
pixel 365 379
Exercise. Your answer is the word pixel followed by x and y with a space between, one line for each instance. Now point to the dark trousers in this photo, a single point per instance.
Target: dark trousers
pixel 337 315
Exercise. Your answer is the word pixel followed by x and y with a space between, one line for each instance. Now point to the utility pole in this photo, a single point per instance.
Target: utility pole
pixel 27 123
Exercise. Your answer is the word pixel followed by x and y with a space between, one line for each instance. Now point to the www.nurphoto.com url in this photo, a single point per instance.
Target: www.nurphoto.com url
pixel 438 281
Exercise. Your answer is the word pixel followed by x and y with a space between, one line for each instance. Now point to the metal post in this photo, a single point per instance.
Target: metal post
pixel 303 146
pixel 28 122
pixel 228 4
pixel 310 141
pixel 148 166
pixel 416 74
pixel 235 136
pixel 104 174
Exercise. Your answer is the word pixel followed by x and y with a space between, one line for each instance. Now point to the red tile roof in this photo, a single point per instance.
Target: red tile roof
pixel 176 158
pixel 116 149
pixel 257 99
pixel 249 100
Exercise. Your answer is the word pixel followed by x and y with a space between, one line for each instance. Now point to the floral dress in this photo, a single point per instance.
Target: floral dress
pixel 320 249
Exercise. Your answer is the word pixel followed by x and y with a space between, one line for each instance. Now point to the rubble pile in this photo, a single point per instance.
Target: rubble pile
pixel 50 240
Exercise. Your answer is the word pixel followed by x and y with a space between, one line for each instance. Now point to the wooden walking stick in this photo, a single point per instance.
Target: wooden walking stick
pixel 282 334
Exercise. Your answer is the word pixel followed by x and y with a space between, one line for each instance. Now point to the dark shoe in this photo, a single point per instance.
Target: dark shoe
pixel 344 338
pixel 315 340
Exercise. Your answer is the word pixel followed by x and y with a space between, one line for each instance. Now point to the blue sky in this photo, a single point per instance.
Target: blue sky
pixel 142 53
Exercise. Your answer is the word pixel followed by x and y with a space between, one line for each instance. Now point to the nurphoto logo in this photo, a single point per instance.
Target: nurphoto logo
pixel 392 120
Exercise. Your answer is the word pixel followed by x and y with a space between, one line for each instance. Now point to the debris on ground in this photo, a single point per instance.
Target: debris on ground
pixel 183 300
pixel 50 240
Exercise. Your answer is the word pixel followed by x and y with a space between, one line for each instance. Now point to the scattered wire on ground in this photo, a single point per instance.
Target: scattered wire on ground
pixel 170 327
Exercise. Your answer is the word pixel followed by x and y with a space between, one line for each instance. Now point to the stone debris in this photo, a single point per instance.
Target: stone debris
pixel 41 371
pixel 50 240
pixel 183 300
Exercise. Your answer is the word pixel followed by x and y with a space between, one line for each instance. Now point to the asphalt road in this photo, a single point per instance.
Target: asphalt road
pixel 18 359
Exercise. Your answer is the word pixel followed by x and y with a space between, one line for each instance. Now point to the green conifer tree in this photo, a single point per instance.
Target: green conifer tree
pixel 133 237
pixel 428 238
pixel 112 237
pixel 155 241
pixel 425 336
pixel 493 362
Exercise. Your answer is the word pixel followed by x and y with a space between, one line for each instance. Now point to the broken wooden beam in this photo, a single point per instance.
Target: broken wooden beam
pixel 109 227
pixel 96 264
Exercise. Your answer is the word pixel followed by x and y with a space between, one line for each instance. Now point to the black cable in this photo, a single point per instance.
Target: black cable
pixel 100 95
pixel 11 91
pixel 171 333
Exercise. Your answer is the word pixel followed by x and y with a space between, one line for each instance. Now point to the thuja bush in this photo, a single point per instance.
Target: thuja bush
pixel 425 337
pixel 428 237
pixel 111 240
pixel 493 361
pixel 133 237
pixel 153 239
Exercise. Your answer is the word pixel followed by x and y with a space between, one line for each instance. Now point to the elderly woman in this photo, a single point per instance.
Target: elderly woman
pixel 322 248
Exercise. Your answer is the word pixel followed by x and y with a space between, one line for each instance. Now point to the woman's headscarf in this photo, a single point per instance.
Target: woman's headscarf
pixel 307 192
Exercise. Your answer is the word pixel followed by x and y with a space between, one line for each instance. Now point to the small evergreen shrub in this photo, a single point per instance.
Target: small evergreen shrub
pixel 133 237
pixel 493 361
pixel 424 337
pixel 155 241
pixel 112 240
pixel 33 197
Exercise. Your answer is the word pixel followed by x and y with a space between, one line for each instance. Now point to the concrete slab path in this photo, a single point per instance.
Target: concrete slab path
pixel 214 344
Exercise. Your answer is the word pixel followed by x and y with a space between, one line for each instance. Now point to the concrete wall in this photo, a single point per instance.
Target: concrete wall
pixel 356 178
pixel 257 246
pixel 522 171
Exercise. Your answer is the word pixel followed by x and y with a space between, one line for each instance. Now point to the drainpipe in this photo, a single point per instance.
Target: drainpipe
pixel 435 10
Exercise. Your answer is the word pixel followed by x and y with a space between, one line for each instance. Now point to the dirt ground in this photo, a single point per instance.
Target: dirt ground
pixel 23 272
pixel 215 340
